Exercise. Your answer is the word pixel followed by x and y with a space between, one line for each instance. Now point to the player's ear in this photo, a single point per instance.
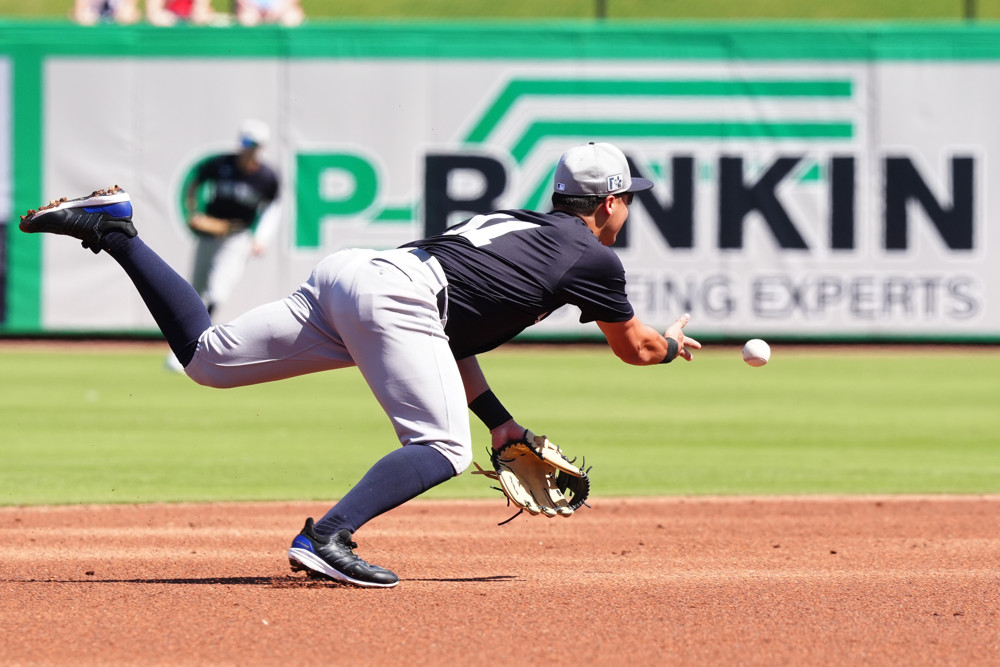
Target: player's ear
pixel 608 204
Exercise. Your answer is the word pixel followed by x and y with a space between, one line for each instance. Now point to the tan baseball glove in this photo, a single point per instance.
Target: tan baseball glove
pixel 536 476
pixel 207 225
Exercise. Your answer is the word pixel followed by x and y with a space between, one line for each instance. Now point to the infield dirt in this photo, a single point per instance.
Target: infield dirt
pixel 678 581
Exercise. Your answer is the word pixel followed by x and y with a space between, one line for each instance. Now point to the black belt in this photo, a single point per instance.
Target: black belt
pixel 442 301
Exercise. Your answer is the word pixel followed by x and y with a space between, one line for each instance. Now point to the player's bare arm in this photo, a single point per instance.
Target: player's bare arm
pixel 641 345
pixel 503 428
pixel 198 221
pixel 191 196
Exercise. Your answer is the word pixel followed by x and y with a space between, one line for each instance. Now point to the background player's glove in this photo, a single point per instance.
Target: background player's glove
pixel 535 476
pixel 207 225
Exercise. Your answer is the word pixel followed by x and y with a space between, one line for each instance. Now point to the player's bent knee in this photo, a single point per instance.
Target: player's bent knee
pixel 208 376
pixel 463 464
pixel 460 456
pixel 207 380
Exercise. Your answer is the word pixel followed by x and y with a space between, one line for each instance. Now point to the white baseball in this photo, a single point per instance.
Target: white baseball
pixel 756 352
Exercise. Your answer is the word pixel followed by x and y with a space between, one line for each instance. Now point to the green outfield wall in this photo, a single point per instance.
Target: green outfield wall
pixel 812 182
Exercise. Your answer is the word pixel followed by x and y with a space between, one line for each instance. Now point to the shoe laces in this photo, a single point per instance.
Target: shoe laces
pixel 351 546
pixel 349 543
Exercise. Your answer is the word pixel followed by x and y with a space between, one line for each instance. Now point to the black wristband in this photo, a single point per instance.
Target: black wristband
pixel 672 349
pixel 489 409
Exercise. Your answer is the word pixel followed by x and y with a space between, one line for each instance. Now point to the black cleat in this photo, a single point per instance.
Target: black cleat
pixel 87 218
pixel 333 557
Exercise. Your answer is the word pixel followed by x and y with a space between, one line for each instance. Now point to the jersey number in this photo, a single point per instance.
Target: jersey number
pixel 482 229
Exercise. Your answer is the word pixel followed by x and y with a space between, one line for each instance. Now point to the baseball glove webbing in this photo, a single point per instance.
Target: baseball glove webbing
pixel 536 476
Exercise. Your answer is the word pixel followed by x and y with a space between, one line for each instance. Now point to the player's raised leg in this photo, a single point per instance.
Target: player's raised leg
pixel 102 220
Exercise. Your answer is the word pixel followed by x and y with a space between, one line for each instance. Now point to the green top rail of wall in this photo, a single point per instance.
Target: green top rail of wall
pixel 619 40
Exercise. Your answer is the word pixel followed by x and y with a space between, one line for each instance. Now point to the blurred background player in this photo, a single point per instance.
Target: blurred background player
pixel 91 12
pixel 166 13
pixel 281 12
pixel 239 215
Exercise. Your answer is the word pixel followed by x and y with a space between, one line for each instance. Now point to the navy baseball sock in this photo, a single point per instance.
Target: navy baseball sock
pixel 173 303
pixel 401 475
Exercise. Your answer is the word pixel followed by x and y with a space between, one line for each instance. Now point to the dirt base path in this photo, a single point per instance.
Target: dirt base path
pixel 874 581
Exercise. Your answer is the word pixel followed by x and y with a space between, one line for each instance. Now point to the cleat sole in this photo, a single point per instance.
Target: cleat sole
pixel 314 567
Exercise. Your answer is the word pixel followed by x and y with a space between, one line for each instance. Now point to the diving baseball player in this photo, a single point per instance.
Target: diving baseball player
pixel 411 319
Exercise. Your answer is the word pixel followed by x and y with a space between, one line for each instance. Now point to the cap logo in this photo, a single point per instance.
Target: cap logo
pixel 615 182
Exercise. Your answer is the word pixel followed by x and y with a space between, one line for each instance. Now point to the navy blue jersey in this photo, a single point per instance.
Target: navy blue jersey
pixel 509 269
pixel 236 194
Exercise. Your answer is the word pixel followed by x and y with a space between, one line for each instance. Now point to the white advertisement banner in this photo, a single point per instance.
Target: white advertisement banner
pixel 813 200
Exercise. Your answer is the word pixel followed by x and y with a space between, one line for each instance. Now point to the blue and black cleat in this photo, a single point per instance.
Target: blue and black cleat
pixel 333 557
pixel 87 218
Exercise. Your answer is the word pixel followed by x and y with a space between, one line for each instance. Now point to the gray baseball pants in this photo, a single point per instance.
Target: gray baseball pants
pixel 382 311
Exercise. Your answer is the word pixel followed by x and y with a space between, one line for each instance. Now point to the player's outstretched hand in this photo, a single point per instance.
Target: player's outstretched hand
pixel 676 331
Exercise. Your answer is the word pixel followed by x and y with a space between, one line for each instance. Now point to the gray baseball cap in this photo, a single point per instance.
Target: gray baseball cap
pixel 596 169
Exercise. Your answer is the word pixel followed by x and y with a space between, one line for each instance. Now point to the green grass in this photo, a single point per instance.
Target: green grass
pixel 319 10
pixel 113 426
